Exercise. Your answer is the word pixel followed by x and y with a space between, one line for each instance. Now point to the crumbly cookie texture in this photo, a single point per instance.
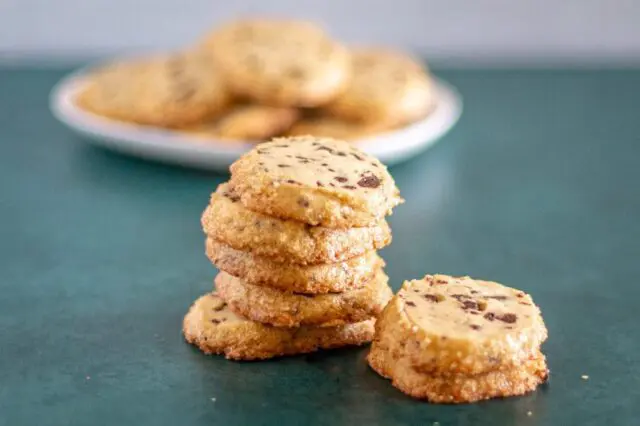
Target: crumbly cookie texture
pixel 283 309
pixel 286 241
pixel 387 87
pixel 168 91
pixel 331 127
pixel 455 389
pixel 312 279
pixel 215 329
pixel 248 123
pixel 280 62
pixel 450 325
pixel 318 181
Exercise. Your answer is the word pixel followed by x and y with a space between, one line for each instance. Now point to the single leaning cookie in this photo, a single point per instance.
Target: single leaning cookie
pixel 458 388
pixel 282 309
pixel 318 181
pixel 168 91
pixel 387 88
pixel 313 279
pixel 280 62
pixel 228 221
pixel 213 328
pixel 248 123
pixel 446 325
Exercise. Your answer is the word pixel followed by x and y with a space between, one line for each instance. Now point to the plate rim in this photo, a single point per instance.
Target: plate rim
pixel 170 146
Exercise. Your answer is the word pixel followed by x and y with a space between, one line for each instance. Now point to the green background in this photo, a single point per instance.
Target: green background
pixel 100 256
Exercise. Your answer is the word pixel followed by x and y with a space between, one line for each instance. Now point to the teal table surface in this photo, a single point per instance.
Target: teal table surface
pixel 100 256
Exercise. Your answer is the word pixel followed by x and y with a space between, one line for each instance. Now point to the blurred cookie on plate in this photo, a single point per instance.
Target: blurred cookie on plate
pixel 330 127
pixel 280 62
pixel 166 90
pixel 248 122
pixel 388 88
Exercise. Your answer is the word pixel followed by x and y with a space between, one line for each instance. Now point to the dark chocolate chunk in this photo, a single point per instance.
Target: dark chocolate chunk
pixel 219 308
pixel 349 187
pixel 489 316
pixel 469 304
pixel 357 157
pixel 293 182
pixel 341 179
pixel 410 303
pixel 508 318
pixel 475 327
pixel 319 184
pixel 431 298
pixel 370 181
pixel 283 165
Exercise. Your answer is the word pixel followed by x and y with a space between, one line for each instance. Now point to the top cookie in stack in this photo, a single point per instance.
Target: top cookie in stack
pixel 295 233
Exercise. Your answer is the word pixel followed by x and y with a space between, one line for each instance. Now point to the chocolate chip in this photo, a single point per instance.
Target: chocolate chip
pixel 474 292
pixel 474 312
pixel 370 181
pixel 499 297
pixel 349 187
pixel 469 304
pixel 331 170
pixel 233 197
pixel 357 157
pixel 374 164
pixel 324 148
pixel 489 316
pixel 319 184
pixel 341 154
pixel 520 295
pixel 508 318
pixel 431 298
pixel 303 202
pixel 220 307
pixel 475 327
pixel 303 161
pixel 410 303
pixel 341 179
pixel 293 182
pixel 459 297
pixel 283 165
pixel 324 164
pixel 332 184
pixel 282 145
pixel 218 321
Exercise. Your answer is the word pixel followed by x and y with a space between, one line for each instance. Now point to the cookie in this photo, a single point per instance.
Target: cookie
pixel 248 123
pixel 285 241
pixel 387 88
pixel 168 91
pixel 280 62
pixel 314 279
pixel 318 181
pixel 329 127
pixel 450 325
pixel 284 309
pixel 458 388
pixel 215 329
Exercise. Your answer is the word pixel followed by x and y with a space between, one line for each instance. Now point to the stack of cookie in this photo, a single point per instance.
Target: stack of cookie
pixel 453 340
pixel 294 234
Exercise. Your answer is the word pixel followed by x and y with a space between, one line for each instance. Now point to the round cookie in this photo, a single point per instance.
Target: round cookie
pixel 318 181
pixel 314 279
pixel 330 127
pixel 266 305
pixel 456 389
pixel 213 328
pixel 280 62
pixel 448 325
pixel 387 88
pixel 168 91
pixel 285 241
pixel 248 123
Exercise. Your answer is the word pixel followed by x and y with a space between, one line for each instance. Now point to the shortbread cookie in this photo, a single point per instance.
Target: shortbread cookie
pixel 314 279
pixel 213 328
pixel 387 87
pixel 280 62
pixel 454 389
pixel 329 127
pixel 168 91
pixel 318 181
pixel 288 241
pixel 449 325
pixel 283 309
pixel 253 123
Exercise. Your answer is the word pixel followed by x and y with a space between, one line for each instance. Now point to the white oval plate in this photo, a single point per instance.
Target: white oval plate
pixel 176 147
